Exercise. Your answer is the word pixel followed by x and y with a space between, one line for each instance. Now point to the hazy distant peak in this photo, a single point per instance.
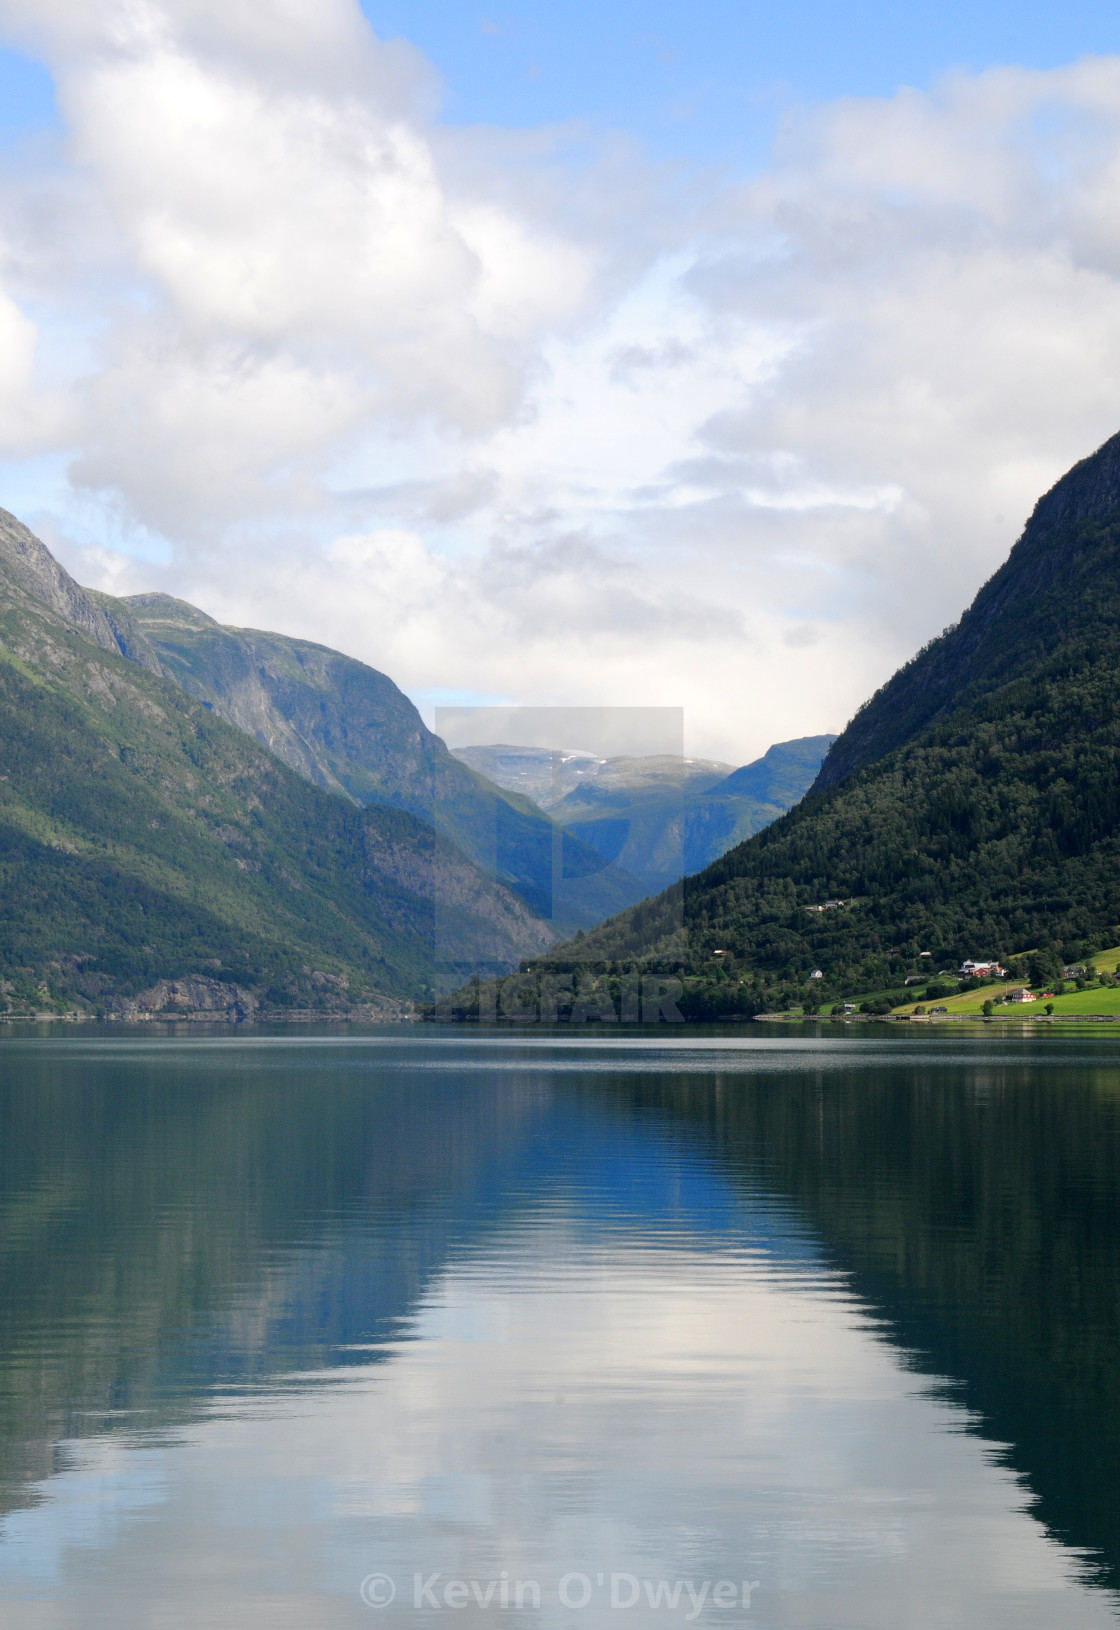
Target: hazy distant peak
pixel 783 772
pixel 551 774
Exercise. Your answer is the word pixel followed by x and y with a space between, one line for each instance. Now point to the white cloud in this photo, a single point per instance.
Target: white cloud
pixel 517 428
pixel 18 341
pixel 299 270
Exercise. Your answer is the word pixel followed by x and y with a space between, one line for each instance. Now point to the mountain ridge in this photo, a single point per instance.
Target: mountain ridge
pixel 938 677
pixel 341 724
pixel 148 846
pixel 349 729
pixel 970 809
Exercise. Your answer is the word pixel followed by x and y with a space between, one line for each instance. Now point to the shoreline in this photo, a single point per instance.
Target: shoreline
pixel 302 1017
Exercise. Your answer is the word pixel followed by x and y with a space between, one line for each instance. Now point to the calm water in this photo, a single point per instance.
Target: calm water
pixel 560 1332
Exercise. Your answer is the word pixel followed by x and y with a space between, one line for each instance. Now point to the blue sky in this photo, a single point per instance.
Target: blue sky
pixel 703 356
pixel 708 80
pixel 705 82
pixel 26 95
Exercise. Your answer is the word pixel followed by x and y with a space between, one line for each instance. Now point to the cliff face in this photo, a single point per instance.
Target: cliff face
pixel 341 724
pixel 1036 600
pixel 350 730
pixel 29 564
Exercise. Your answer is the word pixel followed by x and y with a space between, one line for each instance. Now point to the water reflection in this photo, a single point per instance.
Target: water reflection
pixel 277 1318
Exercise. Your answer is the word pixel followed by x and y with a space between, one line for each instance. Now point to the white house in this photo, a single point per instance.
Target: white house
pixel 973 970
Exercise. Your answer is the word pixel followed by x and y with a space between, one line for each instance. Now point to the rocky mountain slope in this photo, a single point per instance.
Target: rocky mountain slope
pixel 351 731
pixel 971 808
pixel 154 855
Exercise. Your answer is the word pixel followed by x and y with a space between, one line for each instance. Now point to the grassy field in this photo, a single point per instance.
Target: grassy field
pixel 971 1001
pixel 1079 1002
pixel 1086 1001
pixel 970 1004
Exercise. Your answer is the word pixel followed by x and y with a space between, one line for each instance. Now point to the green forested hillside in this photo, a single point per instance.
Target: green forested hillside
pixel 972 808
pixel 143 840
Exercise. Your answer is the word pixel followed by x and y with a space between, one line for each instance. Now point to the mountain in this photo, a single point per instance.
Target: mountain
pixel 782 776
pixel 550 775
pixel 1019 619
pixel 659 817
pixel 971 807
pixel 153 855
pixel 351 731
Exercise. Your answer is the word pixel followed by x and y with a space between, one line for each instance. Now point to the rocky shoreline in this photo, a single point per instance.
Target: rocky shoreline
pixel 198 999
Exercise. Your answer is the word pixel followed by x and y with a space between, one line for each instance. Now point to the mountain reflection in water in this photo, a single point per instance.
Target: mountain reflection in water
pixel 840 1317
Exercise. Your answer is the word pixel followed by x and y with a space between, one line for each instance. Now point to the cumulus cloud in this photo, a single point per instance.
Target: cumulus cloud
pixel 299 269
pixel 517 428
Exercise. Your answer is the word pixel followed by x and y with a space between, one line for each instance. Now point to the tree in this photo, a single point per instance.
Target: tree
pixel 1045 967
